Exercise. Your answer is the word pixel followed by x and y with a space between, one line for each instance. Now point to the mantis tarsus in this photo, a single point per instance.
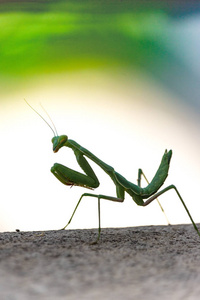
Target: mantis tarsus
pixel 89 180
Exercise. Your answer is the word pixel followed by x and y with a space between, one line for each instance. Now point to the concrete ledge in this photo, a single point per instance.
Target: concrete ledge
pixel 154 262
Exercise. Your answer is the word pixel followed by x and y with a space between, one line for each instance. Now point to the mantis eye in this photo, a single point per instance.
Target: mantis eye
pixel 63 139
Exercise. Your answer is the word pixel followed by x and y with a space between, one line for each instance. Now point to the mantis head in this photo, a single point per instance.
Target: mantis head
pixel 58 142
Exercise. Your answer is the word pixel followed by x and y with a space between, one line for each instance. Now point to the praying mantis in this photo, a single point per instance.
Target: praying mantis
pixel 88 179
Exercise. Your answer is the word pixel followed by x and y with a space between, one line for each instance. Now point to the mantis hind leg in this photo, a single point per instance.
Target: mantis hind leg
pixel 140 173
pixel 147 202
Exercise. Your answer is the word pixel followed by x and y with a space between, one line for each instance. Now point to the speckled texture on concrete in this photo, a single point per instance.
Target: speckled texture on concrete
pixel 154 262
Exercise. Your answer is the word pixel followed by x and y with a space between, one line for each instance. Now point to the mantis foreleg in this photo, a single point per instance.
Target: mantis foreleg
pixel 71 177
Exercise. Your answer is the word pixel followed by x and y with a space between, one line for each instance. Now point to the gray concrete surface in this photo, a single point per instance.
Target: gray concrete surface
pixel 154 262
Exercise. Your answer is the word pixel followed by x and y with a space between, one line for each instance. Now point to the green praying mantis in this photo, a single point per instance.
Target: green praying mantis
pixel 89 180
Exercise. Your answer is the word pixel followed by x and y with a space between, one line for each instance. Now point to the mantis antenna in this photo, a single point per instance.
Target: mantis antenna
pixel 54 132
pixel 49 119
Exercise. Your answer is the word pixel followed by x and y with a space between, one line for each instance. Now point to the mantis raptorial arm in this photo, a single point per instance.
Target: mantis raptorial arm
pixel 89 180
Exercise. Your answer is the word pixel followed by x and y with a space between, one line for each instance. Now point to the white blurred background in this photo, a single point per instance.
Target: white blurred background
pixel 126 122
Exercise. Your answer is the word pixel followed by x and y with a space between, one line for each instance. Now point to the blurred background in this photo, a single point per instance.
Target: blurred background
pixel 121 78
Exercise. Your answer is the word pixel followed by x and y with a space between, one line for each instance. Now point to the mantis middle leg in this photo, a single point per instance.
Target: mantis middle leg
pixel 99 213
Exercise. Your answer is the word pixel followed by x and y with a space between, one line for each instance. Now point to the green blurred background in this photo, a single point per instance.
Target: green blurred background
pixel 44 37
pixel 120 77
